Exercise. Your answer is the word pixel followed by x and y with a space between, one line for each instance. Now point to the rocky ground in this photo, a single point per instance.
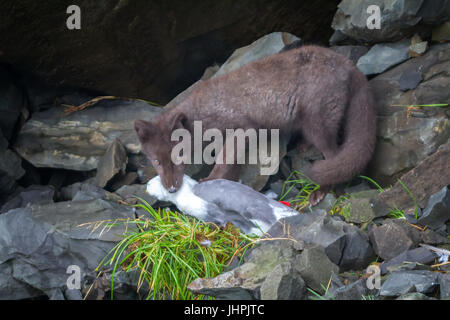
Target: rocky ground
pixel 60 172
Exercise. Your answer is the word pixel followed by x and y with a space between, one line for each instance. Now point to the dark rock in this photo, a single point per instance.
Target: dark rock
pixel 361 206
pixel 245 281
pixel 31 195
pixel 444 286
pixel 345 245
pixel 354 291
pixel 42 96
pixel 125 286
pixel 413 233
pixel 403 282
pixel 399 18
pixel 363 186
pixel 57 179
pixel 326 203
pixel 56 295
pixel 112 163
pixel 358 252
pixel 263 47
pixel 418 255
pixel 147 173
pixel 409 80
pixel 437 211
pixel 84 196
pixel 316 228
pixel 10 168
pixel 383 56
pixel 73 294
pixel 124 180
pixel 430 176
pixel 335 282
pixel 230 285
pixel 408 266
pixel 315 267
pixel 173 53
pixel 56 237
pixel 434 238
pixel 129 193
pixel 77 141
pixel 14 289
pixel 391 239
pixel 283 283
pixel 338 38
pixel 414 296
pixel 85 189
pixel 69 192
pixel 442 33
pixel 412 214
pixel 351 52
pixel 433 12
pixel 405 140
pixel 12 101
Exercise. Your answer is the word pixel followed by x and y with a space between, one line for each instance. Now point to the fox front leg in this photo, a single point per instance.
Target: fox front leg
pixel 224 170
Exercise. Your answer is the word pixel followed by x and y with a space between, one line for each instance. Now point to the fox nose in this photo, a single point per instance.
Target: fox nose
pixel 172 189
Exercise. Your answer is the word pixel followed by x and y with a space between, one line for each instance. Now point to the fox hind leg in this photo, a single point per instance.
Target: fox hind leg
pixel 325 140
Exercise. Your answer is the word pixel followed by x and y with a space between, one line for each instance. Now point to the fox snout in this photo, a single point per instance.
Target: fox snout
pixel 172 182
pixel 171 187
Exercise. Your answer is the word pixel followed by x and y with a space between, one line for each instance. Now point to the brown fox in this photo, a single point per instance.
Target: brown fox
pixel 309 92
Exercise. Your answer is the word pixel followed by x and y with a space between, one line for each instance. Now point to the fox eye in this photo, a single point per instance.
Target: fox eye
pixel 156 162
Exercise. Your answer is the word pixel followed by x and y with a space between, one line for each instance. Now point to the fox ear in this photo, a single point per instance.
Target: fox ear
pixel 143 129
pixel 178 121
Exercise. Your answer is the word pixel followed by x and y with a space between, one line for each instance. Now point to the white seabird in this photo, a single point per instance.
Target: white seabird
pixel 221 201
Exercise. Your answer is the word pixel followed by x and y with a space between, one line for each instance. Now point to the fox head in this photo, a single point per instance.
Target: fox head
pixel 155 139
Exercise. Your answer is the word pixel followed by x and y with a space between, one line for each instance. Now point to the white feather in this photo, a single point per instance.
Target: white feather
pixel 184 198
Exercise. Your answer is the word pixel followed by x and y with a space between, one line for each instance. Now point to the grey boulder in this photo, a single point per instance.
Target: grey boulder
pixel 315 267
pixel 418 255
pixel 399 18
pixel 265 46
pixel 10 168
pixel 437 211
pixel 113 163
pixel 383 56
pixel 267 268
pixel 392 238
pixel 32 195
pixel 405 137
pixel 402 282
pixel 39 243
pixel 345 245
pixel 77 141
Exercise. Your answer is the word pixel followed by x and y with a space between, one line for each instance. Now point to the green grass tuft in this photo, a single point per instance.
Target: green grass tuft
pixel 318 296
pixel 416 206
pixel 170 250
pixel 396 213
pixel 380 189
pixel 305 186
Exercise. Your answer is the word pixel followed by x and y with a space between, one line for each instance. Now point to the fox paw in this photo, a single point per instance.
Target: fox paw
pixel 317 196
